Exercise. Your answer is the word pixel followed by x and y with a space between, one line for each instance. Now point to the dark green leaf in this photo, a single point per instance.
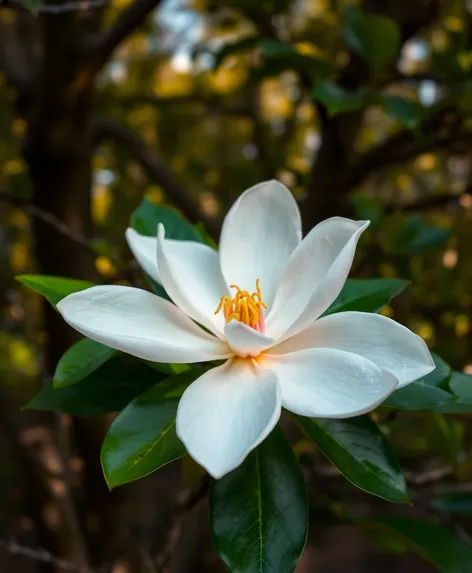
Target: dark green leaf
pixel 461 385
pixel 279 56
pixel 414 237
pixel 360 451
pixel 147 216
pixel 53 288
pixel 259 511
pixel 456 503
pixel 109 389
pixel 142 438
pixel 405 110
pixel 375 38
pixel 337 100
pixel 435 543
pixel 427 392
pixel 366 295
pixel 80 360
pixel 368 208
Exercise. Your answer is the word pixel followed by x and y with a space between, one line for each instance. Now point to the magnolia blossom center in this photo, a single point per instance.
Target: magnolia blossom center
pixel 244 307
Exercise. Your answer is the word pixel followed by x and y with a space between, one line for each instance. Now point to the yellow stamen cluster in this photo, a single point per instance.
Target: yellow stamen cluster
pixel 244 306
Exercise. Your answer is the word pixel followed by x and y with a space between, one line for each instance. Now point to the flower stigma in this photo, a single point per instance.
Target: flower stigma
pixel 244 307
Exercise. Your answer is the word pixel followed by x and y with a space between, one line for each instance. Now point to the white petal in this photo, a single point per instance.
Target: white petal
pixel 144 250
pixel 314 275
pixel 227 413
pixel 244 340
pixel 388 344
pixel 259 233
pixel 329 383
pixel 191 275
pixel 140 323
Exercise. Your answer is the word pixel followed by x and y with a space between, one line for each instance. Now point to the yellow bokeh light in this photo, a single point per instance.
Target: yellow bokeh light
pixel 105 267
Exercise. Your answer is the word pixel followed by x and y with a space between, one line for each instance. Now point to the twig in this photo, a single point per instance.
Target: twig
pixel 100 46
pixel 157 171
pixel 429 476
pixel 42 556
pixel 211 102
pixel 47 218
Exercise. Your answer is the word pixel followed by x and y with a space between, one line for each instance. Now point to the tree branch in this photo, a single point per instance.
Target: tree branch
pixel 100 47
pixel 211 102
pixel 405 146
pixel 47 218
pixel 107 129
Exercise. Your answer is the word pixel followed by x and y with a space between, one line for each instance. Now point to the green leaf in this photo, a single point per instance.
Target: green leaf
pixel 360 451
pixel 461 385
pixel 109 389
pixel 366 295
pixel 53 288
pixel 414 236
pixel 455 503
pixel 433 542
pixel 338 100
pixel 259 511
pixel 368 208
pixel 142 438
pixel 425 393
pixel 80 360
pixel 147 216
pixel 279 56
pixel 407 111
pixel 375 38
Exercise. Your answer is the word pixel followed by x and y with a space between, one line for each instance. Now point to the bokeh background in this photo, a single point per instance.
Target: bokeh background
pixel 188 103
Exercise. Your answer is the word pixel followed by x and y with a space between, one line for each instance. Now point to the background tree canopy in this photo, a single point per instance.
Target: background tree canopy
pixel 363 109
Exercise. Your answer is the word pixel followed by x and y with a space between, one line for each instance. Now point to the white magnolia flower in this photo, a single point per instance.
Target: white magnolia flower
pixel 260 300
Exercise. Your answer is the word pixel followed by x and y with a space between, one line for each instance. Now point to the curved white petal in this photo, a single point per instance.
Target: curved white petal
pixel 140 323
pixel 259 233
pixel 244 340
pixel 228 412
pixel 314 275
pixel 383 341
pixel 329 383
pixel 191 275
pixel 144 250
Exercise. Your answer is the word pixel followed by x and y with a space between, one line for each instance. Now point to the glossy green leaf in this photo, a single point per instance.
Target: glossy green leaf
pixel 375 38
pixel 366 295
pixel 432 541
pixel 147 216
pixel 80 360
pixel 109 389
pixel 461 385
pixel 360 451
pixel 407 111
pixel 338 100
pixel 425 393
pixel 53 288
pixel 142 438
pixel 259 511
